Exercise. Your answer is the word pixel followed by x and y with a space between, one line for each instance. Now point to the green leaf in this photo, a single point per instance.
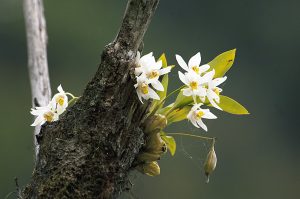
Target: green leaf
pixel 164 60
pixel 182 100
pixel 178 114
pixel 170 142
pixel 222 63
pixel 231 106
pixel 164 110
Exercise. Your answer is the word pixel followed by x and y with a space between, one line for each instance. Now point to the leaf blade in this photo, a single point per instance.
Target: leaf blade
pixel 222 63
pixel 231 106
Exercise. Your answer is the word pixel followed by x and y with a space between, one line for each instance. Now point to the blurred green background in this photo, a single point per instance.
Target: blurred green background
pixel 258 155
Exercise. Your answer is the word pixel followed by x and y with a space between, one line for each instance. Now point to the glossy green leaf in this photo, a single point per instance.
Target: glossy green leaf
pixel 170 142
pixel 182 100
pixel 222 63
pixel 231 106
pixel 178 115
pixel 164 60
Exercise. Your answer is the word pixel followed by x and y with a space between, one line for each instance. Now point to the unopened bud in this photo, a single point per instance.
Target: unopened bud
pixel 148 157
pixel 150 168
pixel 210 163
pixel 155 123
pixel 155 144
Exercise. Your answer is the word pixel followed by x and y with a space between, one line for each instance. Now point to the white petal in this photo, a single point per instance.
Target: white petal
pixel 219 80
pixel 157 85
pixel 187 92
pixel 55 117
pixel 190 114
pixel 201 92
pixel 181 62
pixel 157 65
pixel 201 124
pixel 194 122
pixel 195 60
pixel 208 114
pixel 213 103
pixel 165 70
pixel 138 71
pixel 152 94
pixel 204 68
pixel 38 121
pixel 139 95
pixel 182 77
pixel 208 76
pixel 60 89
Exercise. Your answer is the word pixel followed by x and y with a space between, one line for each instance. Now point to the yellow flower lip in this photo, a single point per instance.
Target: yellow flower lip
pixel 194 85
pixel 60 100
pixel 144 88
pixel 217 91
pixel 196 69
pixel 153 74
pixel 48 116
pixel 199 114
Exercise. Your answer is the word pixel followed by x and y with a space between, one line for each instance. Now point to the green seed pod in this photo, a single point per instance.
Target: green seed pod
pixel 155 144
pixel 150 168
pixel 148 157
pixel 210 163
pixel 155 123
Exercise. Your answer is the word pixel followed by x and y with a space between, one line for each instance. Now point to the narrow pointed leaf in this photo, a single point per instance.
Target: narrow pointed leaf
pixel 178 114
pixel 222 63
pixel 164 60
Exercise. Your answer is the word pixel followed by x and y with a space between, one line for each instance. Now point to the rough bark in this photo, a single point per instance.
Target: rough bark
pixel 89 152
pixel 37 56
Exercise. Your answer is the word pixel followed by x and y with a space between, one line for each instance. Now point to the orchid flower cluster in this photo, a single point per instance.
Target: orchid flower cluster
pixel 201 90
pixel 200 84
pixel 147 73
pixel 54 109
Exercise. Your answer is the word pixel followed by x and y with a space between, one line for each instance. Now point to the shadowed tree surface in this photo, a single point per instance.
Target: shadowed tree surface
pixel 89 152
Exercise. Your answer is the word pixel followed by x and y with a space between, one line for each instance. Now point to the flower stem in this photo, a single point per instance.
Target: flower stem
pixel 74 99
pixel 70 94
pixel 163 100
pixel 195 136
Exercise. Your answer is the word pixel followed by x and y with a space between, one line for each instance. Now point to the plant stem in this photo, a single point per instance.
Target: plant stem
pixel 196 136
pixel 163 100
pixel 70 94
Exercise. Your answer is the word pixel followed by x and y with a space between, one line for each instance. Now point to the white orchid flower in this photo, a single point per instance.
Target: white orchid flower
pixel 152 70
pixel 197 113
pixel 193 64
pixel 144 61
pixel 213 92
pixel 144 90
pixel 60 100
pixel 44 114
pixel 195 84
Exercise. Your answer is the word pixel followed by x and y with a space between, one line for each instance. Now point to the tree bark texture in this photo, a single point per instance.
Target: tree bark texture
pixel 37 56
pixel 89 152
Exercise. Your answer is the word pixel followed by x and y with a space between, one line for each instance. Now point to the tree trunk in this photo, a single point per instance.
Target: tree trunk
pixel 37 57
pixel 89 152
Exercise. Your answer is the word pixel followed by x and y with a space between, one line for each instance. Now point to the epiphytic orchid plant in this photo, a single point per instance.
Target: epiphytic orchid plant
pixel 199 93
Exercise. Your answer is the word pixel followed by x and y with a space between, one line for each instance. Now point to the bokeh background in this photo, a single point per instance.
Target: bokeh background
pixel 258 155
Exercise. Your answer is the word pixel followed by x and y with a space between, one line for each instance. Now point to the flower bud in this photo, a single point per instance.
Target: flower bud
pixel 210 163
pixel 150 168
pixel 155 123
pixel 155 144
pixel 148 157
